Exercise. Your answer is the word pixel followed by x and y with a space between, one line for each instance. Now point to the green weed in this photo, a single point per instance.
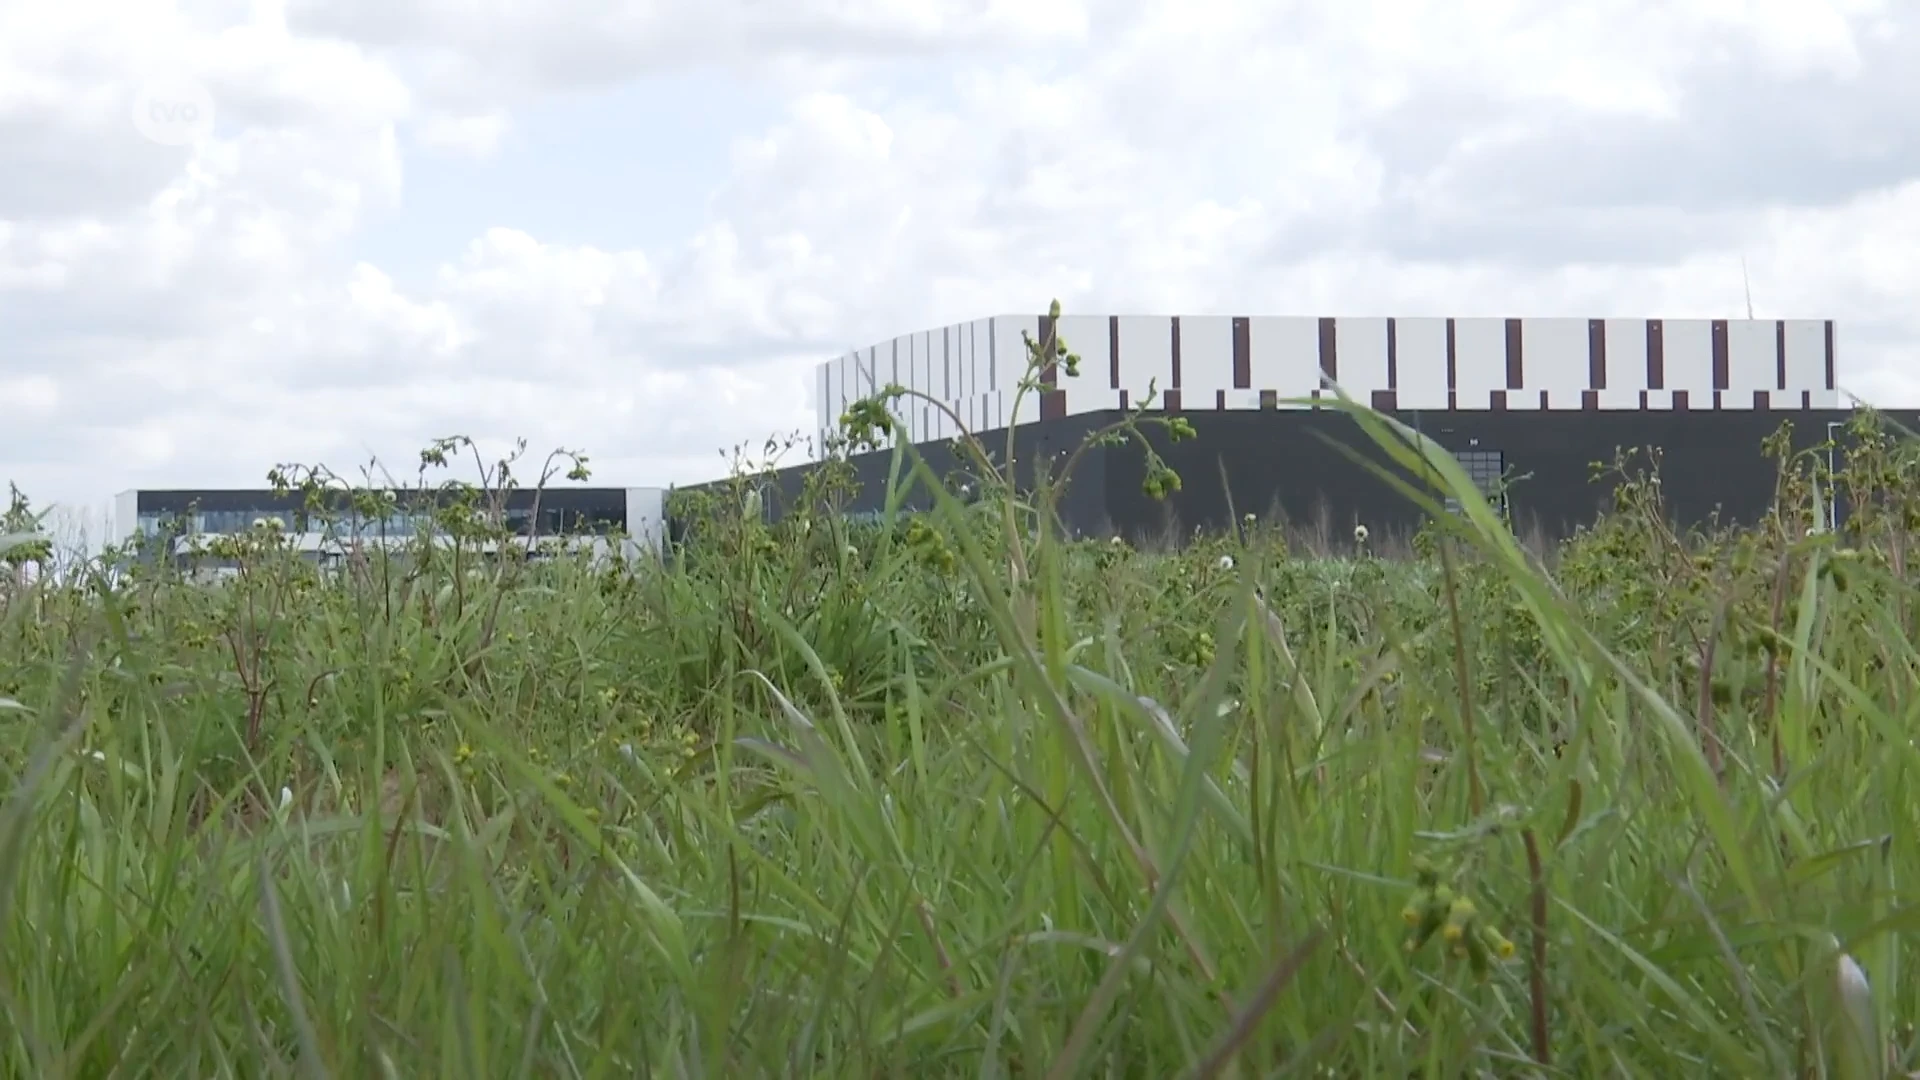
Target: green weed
pixel 948 794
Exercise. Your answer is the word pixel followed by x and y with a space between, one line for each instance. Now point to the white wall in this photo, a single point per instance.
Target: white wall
pixel 646 520
pixel 1413 363
pixel 126 517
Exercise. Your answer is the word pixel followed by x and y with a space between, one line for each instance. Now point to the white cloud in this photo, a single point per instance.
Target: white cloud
pixel 194 315
pixel 477 135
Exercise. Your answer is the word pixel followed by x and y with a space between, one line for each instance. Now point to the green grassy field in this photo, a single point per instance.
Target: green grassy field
pixel 951 797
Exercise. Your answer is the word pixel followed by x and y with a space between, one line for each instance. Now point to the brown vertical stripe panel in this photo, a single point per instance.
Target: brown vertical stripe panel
pixel 1393 355
pixel 1656 355
pixel 1498 401
pixel 1049 375
pixel 1123 401
pixel 1386 400
pixel 1516 364
pixel 1590 399
pixel 1597 354
pixel 1806 399
pixel 1780 354
pixel 1762 399
pixel 1176 357
pixel 1453 369
pixel 1053 404
pixel 1545 403
pixel 1171 400
pixel 1716 398
pixel 1242 353
pixel 1113 352
pixel 1833 383
pixel 1269 399
pixel 1643 401
pixel 1329 351
pixel 1220 399
pixel 1722 378
pixel 1682 400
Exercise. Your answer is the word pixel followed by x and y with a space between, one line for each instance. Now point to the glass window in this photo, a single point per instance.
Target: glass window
pixel 1485 468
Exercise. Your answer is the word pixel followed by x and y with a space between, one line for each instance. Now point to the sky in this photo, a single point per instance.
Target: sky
pixel 240 234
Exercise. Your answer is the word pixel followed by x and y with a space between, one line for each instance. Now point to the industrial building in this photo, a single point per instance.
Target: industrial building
pixel 610 521
pixel 1537 402
pixel 1528 407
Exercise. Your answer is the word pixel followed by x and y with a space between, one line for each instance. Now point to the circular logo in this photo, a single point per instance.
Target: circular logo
pixel 173 112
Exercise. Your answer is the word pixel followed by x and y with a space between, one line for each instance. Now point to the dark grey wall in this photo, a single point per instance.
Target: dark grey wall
pixel 1082 503
pixel 1712 462
pixel 1289 464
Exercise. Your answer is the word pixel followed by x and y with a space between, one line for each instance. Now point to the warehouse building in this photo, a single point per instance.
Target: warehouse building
pixel 1527 405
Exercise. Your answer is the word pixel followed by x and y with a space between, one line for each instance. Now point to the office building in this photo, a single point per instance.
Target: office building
pixel 610 521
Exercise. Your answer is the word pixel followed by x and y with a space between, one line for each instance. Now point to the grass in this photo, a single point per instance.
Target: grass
pixel 951 796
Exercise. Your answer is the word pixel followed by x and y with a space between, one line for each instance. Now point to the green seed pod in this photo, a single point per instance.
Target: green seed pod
pixel 1460 915
pixel 1416 909
pixel 1477 958
pixel 1425 875
pixel 1496 942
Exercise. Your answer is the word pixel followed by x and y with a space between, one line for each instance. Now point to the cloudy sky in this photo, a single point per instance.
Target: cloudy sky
pixel 340 228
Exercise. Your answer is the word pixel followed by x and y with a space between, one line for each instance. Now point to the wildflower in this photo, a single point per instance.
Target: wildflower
pixel 1436 908
pixel 1359 534
pixel 1226 562
pixel 462 754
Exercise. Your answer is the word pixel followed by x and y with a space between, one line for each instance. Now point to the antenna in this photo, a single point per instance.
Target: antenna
pixel 1747 284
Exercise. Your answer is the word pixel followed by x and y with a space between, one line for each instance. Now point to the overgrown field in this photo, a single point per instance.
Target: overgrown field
pixel 952 797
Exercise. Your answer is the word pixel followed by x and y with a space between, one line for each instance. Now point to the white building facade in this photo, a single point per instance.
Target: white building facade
pixel 1275 362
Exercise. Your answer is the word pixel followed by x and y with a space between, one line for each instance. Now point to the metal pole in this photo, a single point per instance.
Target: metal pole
pixel 1833 472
